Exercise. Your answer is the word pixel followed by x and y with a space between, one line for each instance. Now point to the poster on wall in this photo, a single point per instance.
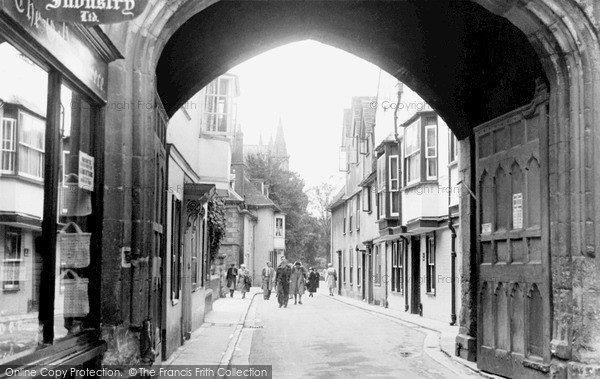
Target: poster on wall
pixel 86 171
pixel 91 12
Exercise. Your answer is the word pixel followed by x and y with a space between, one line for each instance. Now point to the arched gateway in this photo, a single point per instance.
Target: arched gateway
pixel 517 82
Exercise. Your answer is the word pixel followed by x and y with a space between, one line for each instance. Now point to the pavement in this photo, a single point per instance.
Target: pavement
pixel 233 330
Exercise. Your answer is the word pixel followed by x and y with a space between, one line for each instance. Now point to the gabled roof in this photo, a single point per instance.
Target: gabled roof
pixel 254 197
pixel 337 199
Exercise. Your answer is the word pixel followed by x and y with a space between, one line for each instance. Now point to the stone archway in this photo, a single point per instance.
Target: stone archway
pixel 564 37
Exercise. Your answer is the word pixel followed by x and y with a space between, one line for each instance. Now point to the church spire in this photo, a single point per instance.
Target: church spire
pixel 280 145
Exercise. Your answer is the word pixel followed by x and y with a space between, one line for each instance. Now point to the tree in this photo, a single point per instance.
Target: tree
pixel 321 197
pixel 286 189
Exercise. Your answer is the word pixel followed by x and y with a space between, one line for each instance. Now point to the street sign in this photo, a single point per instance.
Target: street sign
pixel 91 12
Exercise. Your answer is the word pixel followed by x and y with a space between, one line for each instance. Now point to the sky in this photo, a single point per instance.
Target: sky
pixel 309 84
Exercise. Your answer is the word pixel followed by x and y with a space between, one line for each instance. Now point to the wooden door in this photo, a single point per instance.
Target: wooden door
pixel 514 307
pixel 415 277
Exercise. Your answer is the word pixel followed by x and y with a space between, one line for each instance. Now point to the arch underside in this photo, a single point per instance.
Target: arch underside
pixel 467 63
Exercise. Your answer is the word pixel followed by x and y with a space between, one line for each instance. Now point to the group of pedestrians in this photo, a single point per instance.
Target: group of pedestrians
pixel 290 281
pixel 238 280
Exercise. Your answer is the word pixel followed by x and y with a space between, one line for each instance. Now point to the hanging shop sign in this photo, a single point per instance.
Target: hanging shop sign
pixel 91 11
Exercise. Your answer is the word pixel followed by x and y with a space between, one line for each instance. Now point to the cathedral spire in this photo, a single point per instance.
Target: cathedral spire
pixel 280 145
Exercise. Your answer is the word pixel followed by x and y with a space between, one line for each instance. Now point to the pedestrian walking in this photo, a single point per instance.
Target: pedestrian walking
pixel 282 282
pixel 232 273
pixel 268 276
pixel 313 281
pixel 297 282
pixel 331 278
pixel 244 281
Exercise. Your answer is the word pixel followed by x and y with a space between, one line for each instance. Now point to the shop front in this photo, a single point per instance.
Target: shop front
pixel 53 87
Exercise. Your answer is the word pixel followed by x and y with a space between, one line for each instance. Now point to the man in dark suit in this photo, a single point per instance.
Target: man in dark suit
pixel 282 281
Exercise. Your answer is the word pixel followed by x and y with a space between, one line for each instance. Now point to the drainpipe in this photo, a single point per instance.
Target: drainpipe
pixel 452 256
pixel 386 275
pixel 405 247
pixel 405 244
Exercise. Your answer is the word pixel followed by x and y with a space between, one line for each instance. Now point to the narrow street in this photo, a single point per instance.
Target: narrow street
pixel 324 338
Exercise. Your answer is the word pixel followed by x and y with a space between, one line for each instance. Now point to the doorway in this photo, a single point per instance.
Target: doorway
pixel 415 277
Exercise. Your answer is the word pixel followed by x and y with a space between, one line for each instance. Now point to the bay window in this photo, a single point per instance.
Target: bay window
pixel 431 167
pixel 412 152
pixel 8 145
pixel 394 184
pixel 219 107
pixel 381 185
pixel 421 153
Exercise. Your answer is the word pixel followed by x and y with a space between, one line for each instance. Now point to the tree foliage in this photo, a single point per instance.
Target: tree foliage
pixel 216 224
pixel 307 236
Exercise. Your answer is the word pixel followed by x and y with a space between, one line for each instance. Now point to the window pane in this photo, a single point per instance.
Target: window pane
pixel 23 90
pixel 73 245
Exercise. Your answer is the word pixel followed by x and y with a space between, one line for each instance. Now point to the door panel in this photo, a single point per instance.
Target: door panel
pixel 514 305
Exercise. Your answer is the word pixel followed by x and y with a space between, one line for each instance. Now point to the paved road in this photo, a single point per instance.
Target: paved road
pixel 324 338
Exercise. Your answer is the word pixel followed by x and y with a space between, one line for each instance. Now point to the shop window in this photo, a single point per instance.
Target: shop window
pixel 397 267
pixel 377 265
pixel 60 212
pixel 23 97
pixel 12 259
pixel 430 261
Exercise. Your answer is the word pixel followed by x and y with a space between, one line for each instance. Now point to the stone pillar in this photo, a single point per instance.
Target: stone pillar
pixel 466 343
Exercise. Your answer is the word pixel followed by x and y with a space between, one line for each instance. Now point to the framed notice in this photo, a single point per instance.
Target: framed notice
pixel 86 171
pixel 486 228
pixel 517 201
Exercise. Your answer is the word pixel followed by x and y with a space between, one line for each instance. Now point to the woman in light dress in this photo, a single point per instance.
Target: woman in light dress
pixel 331 278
